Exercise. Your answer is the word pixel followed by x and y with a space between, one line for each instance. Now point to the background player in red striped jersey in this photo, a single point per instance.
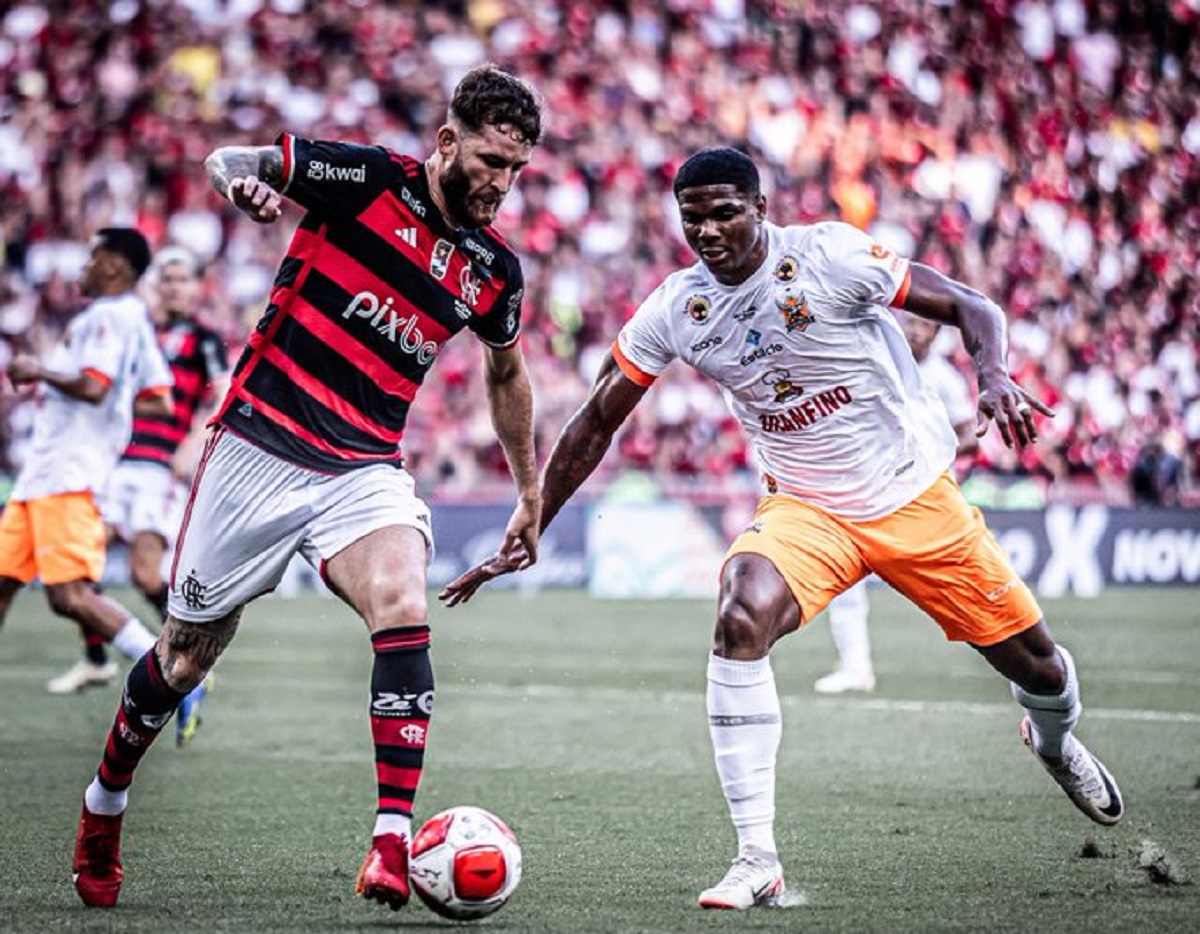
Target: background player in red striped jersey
pixel 392 258
pixel 143 501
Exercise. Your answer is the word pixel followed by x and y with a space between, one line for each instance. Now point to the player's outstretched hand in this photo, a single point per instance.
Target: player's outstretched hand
pixel 1001 400
pixel 463 587
pixel 256 199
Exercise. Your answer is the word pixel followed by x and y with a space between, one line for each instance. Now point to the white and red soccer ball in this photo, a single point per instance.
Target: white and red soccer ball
pixel 464 863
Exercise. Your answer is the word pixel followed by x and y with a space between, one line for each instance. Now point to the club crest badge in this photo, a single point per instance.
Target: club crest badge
pixel 698 308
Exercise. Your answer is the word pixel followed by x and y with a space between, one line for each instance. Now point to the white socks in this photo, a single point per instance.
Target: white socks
pixel 1054 716
pixel 393 823
pixel 133 640
pixel 848 624
pixel 99 800
pixel 745 724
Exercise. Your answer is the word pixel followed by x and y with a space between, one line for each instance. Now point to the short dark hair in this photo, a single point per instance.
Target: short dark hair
pixel 488 96
pixel 128 243
pixel 721 165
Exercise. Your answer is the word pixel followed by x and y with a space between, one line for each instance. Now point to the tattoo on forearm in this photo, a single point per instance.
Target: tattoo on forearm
pixel 230 162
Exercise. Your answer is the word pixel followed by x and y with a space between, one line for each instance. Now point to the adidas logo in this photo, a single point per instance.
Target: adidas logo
pixel 246 410
pixel 408 235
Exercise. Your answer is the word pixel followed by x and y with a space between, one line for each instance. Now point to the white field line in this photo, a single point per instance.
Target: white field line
pixel 617 695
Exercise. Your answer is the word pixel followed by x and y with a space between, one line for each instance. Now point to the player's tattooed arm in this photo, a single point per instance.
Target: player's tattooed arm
pixel 250 177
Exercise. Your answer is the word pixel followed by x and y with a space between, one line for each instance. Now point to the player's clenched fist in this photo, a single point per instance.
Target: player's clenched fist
pixel 256 199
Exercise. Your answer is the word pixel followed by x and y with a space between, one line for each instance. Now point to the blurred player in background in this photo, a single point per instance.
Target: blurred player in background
pixel 392 258
pixel 106 366
pixel 856 454
pixel 144 500
pixel 848 611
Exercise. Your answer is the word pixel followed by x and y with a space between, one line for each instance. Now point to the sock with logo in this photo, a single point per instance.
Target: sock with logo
pixel 146 705
pixel 401 705
pixel 1052 716
pixel 133 640
pixel 745 723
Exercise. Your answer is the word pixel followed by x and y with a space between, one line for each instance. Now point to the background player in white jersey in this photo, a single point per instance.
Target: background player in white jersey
pixel 106 364
pixel 793 323
pixel 848 611
pixel 143 503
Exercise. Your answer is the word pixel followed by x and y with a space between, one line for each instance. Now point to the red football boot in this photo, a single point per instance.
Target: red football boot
pixel 384 873
pixel 97 865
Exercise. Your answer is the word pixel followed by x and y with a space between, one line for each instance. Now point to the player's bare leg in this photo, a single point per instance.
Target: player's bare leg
pixel 1044 683
pixel 756 608
pixel 146 553
pixel 9 587
pixel 182 656
pixel 100 615
pixel 382 576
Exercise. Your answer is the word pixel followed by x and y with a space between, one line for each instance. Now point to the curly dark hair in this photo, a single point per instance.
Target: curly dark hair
pixel 488 96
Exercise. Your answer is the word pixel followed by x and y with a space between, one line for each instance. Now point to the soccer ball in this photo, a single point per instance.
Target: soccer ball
pixel 465 863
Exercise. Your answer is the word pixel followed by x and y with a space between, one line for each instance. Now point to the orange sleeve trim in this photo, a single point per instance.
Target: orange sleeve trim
pixel 151 391
pixel 902 292
pixel 635 374
pixel 98 376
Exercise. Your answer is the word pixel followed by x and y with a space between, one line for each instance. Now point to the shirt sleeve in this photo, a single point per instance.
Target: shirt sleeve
pixel 643 348
pixel 333 178
pixel 860 271
pixel 501 326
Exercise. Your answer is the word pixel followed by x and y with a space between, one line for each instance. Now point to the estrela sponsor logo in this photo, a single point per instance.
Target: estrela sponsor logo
pixel 319 171
pixel 402 331
pixel 754 339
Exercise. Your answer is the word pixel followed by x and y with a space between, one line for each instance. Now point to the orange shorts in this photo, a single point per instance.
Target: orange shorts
pixel 937 551
pixel 57 538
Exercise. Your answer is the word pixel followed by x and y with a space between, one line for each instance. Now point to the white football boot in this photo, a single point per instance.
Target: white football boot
pixel 755 878
pixel 1083 777
pixel 842 680
pixel 83 674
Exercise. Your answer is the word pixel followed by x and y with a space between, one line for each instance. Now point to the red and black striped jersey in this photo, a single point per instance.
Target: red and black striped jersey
pixel 373 284
pixel 196 355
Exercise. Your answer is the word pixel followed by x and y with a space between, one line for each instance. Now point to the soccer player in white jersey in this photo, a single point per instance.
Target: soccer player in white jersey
pixel 848 611
pixel 794 324
pixel 107 363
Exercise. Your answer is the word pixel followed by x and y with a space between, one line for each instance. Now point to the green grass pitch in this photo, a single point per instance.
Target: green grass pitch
pixel 581 723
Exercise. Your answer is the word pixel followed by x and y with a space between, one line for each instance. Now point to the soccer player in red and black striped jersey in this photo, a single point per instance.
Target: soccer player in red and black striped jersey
pixel 144 498
pixel 392 258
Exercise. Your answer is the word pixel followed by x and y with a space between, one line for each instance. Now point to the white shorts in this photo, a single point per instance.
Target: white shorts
pixel 249 512
pixel 143 497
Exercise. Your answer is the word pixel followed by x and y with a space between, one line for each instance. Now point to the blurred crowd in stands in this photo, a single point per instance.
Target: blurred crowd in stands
pixel 1043 151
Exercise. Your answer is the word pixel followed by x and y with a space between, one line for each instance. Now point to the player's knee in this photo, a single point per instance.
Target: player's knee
pixel 67 599
pixel 392 607
pixel 146 578
pixel 1047 675
pixel 740 632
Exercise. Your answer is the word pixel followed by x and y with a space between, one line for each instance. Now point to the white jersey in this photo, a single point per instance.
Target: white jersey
pixel 813 365
pixel 949 386
pixel 75 444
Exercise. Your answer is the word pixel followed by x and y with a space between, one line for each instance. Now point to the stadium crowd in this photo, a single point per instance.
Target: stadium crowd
pixel 1045 151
